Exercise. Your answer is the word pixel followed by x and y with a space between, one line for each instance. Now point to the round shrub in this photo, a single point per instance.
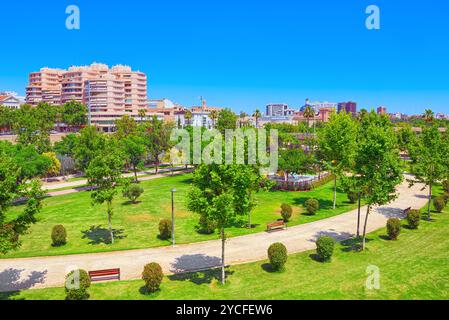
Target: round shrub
pixel 325 248
pixel 286 212
pixel 77 283
pixel 439 203
pixel 413 218
pixel 393 228
pixel 165 229
pixel 58 236
pixel 353 196
pixel 277 254
pixel 446 186
pixel 206 226
pixel 312 206
pixel 152 275
pixel 133 192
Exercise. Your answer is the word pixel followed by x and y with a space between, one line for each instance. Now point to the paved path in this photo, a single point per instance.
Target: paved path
pixel 16 274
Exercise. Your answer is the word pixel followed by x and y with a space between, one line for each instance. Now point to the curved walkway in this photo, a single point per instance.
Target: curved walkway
pixel 18 274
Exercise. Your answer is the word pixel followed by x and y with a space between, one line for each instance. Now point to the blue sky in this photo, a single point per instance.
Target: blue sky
pixel 244 54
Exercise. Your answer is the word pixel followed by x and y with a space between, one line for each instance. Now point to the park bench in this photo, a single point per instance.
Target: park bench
pixel 104 275
pixel 406 211
pixel 276 225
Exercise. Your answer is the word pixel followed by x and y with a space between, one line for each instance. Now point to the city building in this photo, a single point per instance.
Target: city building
pixel 44 86
pixel 200 116
pixel 279 110
pixel 323 115
pixel 166 110
pixel 382 110
pixel 348 107
pixel 11 100
pixel 318 105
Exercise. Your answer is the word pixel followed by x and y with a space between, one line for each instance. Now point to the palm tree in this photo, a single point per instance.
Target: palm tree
pixel 213 116
pixel 242 116
pixel 257 115
pixel 309 112
pixel 188 116
pixel 429 115
pixel 142 114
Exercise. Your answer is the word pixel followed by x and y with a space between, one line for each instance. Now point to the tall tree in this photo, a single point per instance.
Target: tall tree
pixel 104 174
pixel 188 117
pixel 89 144
pixel 125 127
pixel 134 150
pixel 429 156
pixel 429 116
pixel 257 115
pixel 294 161
pixel 309 113
pixel 74 114
pixel 157 138
pixel 337 144
pixel 227 120
pixel 213 116
pixel 377 163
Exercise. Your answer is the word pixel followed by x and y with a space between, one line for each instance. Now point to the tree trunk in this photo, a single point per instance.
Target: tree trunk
pixel 335 192
pixel 135 173
pixel 249 221
pixel 223 240
pixel 110 222
pixel 430 201
pixel 358 214
pixel 364 228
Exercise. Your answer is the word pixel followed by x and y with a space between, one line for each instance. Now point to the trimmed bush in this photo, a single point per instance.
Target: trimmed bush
pixel 77 283
pixel 133 192
pixel 439 203
pixel 353 197
pixel 413 219
pixel 393 228
pixel 152 275
pixel 277 254
pixel 205 225
pixel 165 227
pixel 325 248
pixel 286 212
pixel 445 185
pixel 58 236
pixel 312 206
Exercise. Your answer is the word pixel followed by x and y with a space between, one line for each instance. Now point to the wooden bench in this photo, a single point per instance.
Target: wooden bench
pixel 276 225
pixel 406 211
pixel 104 275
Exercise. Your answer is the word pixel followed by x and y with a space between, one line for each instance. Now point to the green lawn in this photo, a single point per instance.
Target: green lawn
pixel 414 267
pixel 136 225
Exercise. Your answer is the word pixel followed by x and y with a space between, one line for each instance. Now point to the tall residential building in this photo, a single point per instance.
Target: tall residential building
pixel 349 107
pixel 279 110
pixel 108 93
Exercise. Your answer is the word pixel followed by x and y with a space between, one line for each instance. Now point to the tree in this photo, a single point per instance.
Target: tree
pixel 221 193
pixel 429 156
pixel 337 144
pixel 133 146
pixel 227 120
pixel 74 114
pixel 213 116
pixel 294 161
pixel 157 138
pixel 66 146
pixel 406 137
pixel 89 144
pixel 125 127
pixel 104 175
pixel 429 116
pixel 257 115
pixel 377 163
pixel 142 114
pixel 309 112
pixel 188 117
pixel 55 167
pixel 242 116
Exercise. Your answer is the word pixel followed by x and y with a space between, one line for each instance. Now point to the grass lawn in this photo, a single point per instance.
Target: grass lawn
pixel 414 267
pixel 136 225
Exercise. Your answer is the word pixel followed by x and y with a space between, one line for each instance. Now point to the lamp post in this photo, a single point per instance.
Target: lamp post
pixel 173 216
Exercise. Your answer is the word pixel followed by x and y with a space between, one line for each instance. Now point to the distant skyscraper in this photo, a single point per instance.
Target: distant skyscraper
pixel 349 107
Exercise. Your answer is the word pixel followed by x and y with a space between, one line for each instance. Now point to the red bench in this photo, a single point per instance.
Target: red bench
pixel 104 275
pixel 276 225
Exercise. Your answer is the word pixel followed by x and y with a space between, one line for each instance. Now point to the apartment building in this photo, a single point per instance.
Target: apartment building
pixel 108 93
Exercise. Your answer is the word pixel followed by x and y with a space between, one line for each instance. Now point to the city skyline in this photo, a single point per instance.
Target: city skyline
pixel 244 60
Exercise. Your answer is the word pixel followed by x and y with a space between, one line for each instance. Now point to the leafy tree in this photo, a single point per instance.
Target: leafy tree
pixel 220 193
pixel 67 145
pixel 188 117
pixel 134 149
pixel 213 116
pixel 89 144
pixel 406 137
pixel 429 155
pixel 227 120
pixel 309 113
pixel 104 175
pixel 377 163
pixel 429 116
pixel 142 114
pixel 337 145
pixel 125 127
pixel 294 161
pixel 132 192
pixel 55 167
pixel 257 115
pixel 157 138
pixel 74 114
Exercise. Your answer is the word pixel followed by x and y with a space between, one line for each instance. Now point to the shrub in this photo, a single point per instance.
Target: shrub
pixel 353 196
pixel 165 229
pixel 286 212
pixel 325 248
pixel 205 225
pixel 446 186
pixel 133 192
pixel 152 275
pixel 277 254
pixel 439 203
pixel 77 283
pixel 446 197
pixel 59 236
pixel 312 206
pixel 413 219
pixel 393 228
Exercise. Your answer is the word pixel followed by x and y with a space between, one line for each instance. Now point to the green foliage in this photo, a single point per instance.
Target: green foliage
pixel 134 149
pixel 294 161
pixel 206 225
pixel 325 248
pixel 353 196
pixel 286 212
pixel 312 206
pixel 277 254
pixel 413 219
pixel 227 120
pixel 132 192
pixel 165 229
pixel 152 275
pixel 156 134
pixel 74 114
pixel 439 203
pixel 393 228
pixel 67 145
pixel 445 185
pixel 90 144
pixel 77 285
pixel 59 236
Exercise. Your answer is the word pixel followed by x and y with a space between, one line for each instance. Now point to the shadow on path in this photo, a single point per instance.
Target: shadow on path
pixel 11 280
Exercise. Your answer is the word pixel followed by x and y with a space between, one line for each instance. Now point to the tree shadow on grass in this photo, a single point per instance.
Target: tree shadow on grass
pixel 100 235
pixel 267 267
pixel 188 181
pixel 324 204
pixel 11 282
pixel 353 244
pixel 130 203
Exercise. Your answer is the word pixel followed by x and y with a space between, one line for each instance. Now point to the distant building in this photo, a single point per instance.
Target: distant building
pixel 279 110
pixel 201 116
pixel 11 100
pixel 323 115
pixel 382 110
pixel 318 105
pixel 349 107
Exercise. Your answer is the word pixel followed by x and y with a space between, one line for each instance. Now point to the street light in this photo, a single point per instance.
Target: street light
pixel 173 216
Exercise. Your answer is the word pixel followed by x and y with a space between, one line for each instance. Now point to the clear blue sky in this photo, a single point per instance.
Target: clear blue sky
pixel 244 54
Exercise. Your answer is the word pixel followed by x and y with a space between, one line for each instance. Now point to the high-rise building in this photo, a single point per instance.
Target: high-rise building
pixel 44 86
pixel 348 107
pixel 279 110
